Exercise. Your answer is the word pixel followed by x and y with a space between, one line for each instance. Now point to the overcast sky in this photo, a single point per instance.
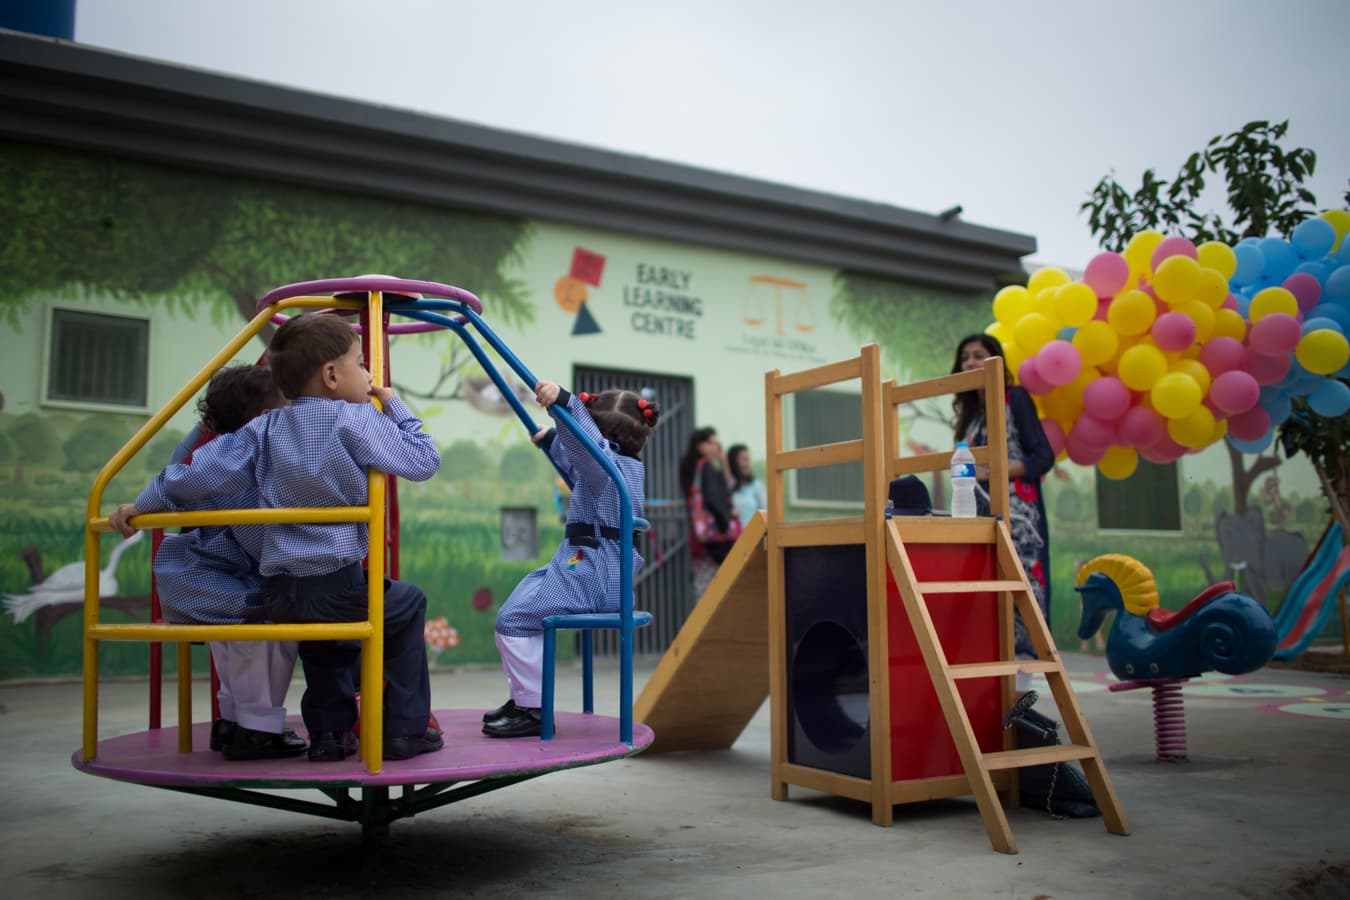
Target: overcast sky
pixel 1012 110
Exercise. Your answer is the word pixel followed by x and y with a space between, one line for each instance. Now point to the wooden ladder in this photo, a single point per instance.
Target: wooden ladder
pixel 1013 589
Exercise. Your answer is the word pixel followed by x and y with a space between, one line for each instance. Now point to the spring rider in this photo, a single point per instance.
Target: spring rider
pixel 1220 630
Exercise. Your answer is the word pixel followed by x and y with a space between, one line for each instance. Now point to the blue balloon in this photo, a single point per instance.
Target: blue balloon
pixel 1280 259
pixel 1313 238
pixel 1276 404
pixel 1333 311
pixel 1250 262
pixel 1338 285
pixel 1066 333
pixel 1317 268
pixel 1331 400
pixel 1244 304
pixel 1317 323
pixel 1256 446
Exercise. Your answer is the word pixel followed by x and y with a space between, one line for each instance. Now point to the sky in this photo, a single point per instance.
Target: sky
pixel 1013 111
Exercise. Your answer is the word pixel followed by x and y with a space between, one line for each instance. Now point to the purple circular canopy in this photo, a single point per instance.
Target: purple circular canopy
pixel 365 283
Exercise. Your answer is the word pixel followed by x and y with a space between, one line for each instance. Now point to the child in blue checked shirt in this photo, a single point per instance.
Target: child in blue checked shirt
pixel 316 453
pixel 209 576
pixel 583 576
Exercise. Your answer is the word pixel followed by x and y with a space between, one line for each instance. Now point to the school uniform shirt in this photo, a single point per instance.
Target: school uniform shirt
pixel 313 453
pixel 579 579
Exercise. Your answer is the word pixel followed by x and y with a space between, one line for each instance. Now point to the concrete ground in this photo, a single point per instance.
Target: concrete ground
pixel 1259 811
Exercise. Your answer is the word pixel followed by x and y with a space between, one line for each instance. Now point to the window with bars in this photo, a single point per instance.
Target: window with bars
pixel 827 417
pixel 1149 500
pixel 97 359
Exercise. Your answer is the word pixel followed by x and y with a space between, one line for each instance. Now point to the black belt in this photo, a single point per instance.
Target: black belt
pixel 582 534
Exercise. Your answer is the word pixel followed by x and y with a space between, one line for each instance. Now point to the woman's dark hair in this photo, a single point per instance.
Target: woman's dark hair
pixel 624 417
pixel 734 455
pixel 689 462
pixel 303 345
pixel 236 394
pixel 969 404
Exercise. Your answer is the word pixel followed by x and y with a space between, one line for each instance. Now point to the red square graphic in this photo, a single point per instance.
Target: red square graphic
pixel 587 266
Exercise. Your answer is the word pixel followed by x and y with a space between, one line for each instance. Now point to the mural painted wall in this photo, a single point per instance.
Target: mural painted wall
pixel 183 256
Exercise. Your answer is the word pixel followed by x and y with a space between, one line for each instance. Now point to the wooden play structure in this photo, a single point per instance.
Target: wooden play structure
pixel 885 645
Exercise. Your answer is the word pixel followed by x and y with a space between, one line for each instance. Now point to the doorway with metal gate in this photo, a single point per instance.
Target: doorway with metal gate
pixel 664 587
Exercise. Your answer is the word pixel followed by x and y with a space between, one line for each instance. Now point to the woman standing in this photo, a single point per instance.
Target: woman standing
pixel 713 523
pixel 747 491
pixel 1029 459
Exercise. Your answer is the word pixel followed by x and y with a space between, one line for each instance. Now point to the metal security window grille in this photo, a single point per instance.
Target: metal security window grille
pixel 1149 500
pixel 665 586
pixel 828 417
pixel 98 359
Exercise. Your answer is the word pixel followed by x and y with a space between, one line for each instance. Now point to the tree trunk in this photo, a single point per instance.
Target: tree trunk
pixel 1244 478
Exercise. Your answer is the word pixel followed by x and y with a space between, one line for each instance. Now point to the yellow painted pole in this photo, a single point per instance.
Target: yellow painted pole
pixel 91 577
pixel 372 648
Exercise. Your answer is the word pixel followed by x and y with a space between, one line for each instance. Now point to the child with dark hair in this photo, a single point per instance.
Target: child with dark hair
pixel 583 576
pixel 318 452
pixel 209 576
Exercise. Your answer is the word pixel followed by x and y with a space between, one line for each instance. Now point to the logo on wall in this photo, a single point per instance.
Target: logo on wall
pixel 765 296
pixel 571 293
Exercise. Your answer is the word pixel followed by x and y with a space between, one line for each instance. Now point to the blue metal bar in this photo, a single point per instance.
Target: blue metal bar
pixel 546 692
pixel 587 670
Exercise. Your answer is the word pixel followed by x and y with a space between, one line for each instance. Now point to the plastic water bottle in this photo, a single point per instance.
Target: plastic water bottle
pixel 963 482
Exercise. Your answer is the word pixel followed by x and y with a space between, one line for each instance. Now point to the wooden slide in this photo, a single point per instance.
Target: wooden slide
pixel 715 674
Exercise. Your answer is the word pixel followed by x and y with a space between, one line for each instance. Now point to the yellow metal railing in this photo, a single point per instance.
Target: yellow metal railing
pixel 370 632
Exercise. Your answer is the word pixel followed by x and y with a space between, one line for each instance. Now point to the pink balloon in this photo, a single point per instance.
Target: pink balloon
pixel 1235 392
pixel 1230 303
pixel 1275 335
pixel 1103 306
pixel 1059 362
pixel 1222 354
pixel 1266 369
pixel 1173 246
pixel 1141 427
pixel 1090 431
pixel 1173 332
pixel 1251 425
pixel 1106 273
pixel 1168 448
pixel 1219 415
pixel 1029 376
pixel 1107 398
pixel 1307 290
pixel 1054 434
pixel 1082 453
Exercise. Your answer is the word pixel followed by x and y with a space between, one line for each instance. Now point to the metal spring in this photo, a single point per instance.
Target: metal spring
pixel 1169 721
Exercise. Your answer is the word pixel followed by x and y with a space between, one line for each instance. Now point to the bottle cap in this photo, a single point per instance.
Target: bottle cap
pixel 965 444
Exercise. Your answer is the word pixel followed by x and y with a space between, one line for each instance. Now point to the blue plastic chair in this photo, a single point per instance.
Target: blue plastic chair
pixel 587 623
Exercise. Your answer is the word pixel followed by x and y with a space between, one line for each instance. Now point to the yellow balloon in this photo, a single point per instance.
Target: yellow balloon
pixel 1046 277
pixel 1211 288
pixel 1141 366
pixel 1218 256
pixel 1196 369
pixel 1033 331
pixel 1340 220
pixel 1118 462
pixel 1000 332
pixel 1177 279
pixel 1139 251
pixel 1229 323
pixel 1323 351
pixel 1220 429
pixel 1272 300
pixel 1075 303
pixel 1013 357
pixel 1011 303
pixel 1202 315
pixel 1097 342
pixel 1193 430
pixel 1132 313
pixel 1176 395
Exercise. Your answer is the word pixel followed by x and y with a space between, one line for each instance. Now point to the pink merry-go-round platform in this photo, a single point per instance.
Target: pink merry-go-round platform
pixel 468 765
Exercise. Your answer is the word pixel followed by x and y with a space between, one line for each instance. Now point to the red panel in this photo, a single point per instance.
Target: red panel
pixel 967 627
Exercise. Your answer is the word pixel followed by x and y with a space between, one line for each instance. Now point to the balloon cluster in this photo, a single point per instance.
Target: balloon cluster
pixel 1170 347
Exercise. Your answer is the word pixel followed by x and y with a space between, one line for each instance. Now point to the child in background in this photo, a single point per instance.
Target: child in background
pixel 747 491
pixel 583 576
pixel 317 453
pixel 209 576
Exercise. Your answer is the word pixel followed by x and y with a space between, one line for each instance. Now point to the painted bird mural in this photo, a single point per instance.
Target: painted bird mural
pixel 1220 630
pixel 66 584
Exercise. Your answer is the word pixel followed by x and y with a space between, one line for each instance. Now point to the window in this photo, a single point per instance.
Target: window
pixel 1149 500
pixel 97 359
pixel 827 417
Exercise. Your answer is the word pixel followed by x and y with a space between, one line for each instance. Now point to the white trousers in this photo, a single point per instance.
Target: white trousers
pixel 254 678
pixel 523 663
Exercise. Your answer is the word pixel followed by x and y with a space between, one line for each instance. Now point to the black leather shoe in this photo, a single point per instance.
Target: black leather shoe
pixel 250 744
pixel 332 746
pixel 504 709
pixel 222 732
pixel 522 721
pixel 408 746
